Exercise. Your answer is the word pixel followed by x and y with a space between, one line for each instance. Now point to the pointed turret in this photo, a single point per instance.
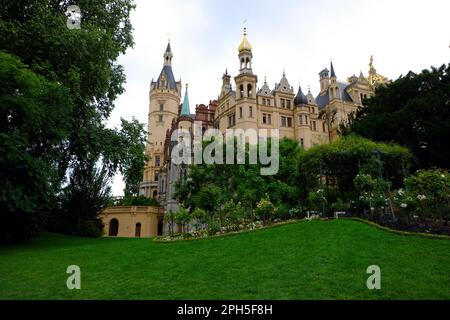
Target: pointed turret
pixel 300 98
pixel 245 54
pixel 186 110
pixel 168 55
pixel 333 74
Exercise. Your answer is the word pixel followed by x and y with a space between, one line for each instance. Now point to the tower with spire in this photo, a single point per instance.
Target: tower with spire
pixel 165 96
pixel 245 115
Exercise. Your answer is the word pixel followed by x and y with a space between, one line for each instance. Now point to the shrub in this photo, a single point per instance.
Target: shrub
pixel 213 227
pixel 136 201
pixel 430 191
pixel 265 209
pixel 340 206
pixel 317 200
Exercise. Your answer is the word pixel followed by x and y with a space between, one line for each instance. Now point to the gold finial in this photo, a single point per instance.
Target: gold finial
pixel 245 45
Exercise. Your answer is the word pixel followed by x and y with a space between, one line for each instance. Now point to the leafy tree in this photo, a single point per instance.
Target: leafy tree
pixel 86 195
pixel 133 157
pixel 32 127
pixel 183 217
pixel 83 63
pixel 413 111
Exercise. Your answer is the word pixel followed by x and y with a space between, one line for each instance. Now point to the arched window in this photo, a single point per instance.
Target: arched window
pixel 138 230
pixel 249 90
pixel 113 227
pixel 241 91
pixel 242 62
pixel 247 62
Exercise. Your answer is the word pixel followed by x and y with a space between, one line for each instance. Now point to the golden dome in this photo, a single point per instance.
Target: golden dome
pixel 245 45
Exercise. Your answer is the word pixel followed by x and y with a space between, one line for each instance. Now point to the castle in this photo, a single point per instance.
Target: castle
pixel 301 116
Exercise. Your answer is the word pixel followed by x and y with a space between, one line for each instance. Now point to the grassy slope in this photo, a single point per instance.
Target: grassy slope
pixel 310 260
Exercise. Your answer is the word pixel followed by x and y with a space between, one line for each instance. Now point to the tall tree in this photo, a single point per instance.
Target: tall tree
pixel 413 111
pixel 84 62
pixel 32 126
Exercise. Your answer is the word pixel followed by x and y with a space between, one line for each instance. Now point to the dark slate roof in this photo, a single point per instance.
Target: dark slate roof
pixel 322 100
pixel 300 98
pixel 343 91
pixel 167 71
pixel 332 71
pixel 168 49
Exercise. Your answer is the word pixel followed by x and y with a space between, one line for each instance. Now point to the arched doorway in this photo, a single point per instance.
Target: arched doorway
pixel 155 194
pixel 113 227
pixel 160 227
pixel 138 230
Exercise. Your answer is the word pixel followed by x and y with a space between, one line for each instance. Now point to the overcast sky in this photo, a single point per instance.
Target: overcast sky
pixel 300 36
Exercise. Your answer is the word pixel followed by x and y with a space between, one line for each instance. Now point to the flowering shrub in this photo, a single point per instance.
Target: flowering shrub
pixel 234 214
pixel 428 193
pixel 317 200
pixel 372 192
pixel 340 206
pixel 265 209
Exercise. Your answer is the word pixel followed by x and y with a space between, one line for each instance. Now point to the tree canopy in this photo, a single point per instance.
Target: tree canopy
pixel 413 111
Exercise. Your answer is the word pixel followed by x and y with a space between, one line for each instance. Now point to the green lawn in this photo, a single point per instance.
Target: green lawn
pixel 308 260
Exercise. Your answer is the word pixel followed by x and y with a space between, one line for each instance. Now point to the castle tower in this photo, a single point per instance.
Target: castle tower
pixel 324 80
pixel 333 86
pixel 165 95
pixel 246 112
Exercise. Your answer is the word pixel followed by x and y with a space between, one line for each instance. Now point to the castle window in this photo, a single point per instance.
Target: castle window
pixel 240 112
pixel 160 118
pixel 283 121
pixel 300 119
pixel 302 143
pixel 268 102
pixel 251 112
pixel 323 127
pixel 157 161
pixel 249 90
pixel 231 120
pixel 313 125
pixel 241 90
pixel 156 176
pixel 264 118
pixel 289 122
pixel 288 104
pixel 264 101
pixel 283 103
pixel 306 119
pixel 138 230
pixel 161 107
pixel 270 118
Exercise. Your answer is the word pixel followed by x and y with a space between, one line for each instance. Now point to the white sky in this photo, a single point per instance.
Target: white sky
pixel 298 36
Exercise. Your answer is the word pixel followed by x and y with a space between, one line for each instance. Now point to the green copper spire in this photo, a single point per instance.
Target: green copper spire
pixel 185 111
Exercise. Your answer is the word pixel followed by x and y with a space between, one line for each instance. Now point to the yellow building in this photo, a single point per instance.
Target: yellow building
pixel 297 115
pixel 309 120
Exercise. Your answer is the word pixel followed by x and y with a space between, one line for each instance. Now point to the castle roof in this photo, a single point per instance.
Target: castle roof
pixel 168 74
pixel 300 98
pixel 186 110
pixel 265 90
pixel 323 99
pixel 284 85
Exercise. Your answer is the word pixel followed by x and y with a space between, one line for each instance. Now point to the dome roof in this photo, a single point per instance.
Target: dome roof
pixel 300 98
pixel 245 45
